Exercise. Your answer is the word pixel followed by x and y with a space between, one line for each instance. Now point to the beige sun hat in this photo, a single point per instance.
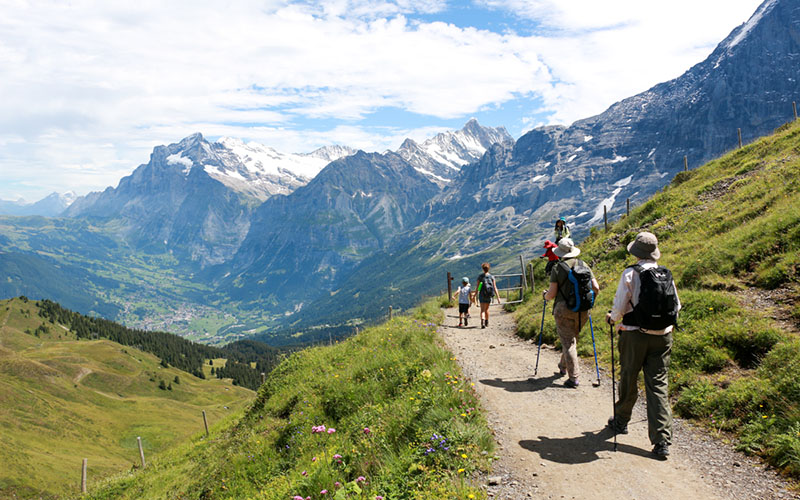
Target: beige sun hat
pixel 566 249
pixel 645 246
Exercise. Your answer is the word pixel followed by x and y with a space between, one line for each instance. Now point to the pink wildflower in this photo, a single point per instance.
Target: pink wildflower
pixel 304 473
pixel 314 459
pixel 366 430
pixel 331 430
pixel 378 497
pixel 360 479
pixel 297 497
pixel 323 492
pixel 317 429
pixel 337 484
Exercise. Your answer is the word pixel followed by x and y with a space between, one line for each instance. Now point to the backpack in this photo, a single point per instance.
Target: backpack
pixel 577 288
pixel 658 301
pixel 487 289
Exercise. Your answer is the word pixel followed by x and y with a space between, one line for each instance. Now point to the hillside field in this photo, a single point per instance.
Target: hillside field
pixel 65 399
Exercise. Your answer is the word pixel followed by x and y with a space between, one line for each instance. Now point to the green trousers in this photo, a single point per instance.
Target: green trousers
pixel 639 351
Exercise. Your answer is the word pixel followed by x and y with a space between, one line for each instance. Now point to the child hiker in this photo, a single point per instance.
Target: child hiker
pixel 464 294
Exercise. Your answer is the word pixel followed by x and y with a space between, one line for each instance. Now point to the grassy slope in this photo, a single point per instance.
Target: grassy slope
pixel 393 379
pixel 64 400
pixel 727 230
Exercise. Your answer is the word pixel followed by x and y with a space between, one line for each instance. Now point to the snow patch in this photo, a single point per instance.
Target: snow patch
pixel 538 178
pixel 428 173
pixel 178 159
pixel 571 158
pixel 619 158
pixel 581 214
pixel 651 152
pixel 580 148
pixel 623 182
pixel 587 138
pixel 751 23
pixel 608 202
pixel 663 175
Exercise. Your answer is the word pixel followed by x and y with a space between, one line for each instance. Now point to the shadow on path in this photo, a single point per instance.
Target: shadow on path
pixel 579 450
pixel 524 385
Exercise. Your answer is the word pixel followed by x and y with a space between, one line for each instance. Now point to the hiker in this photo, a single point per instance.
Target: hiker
pixel 568 321
pixel 465 296
pixel 551 257
pixel 645 310
pixel 562 230
pixel 486 290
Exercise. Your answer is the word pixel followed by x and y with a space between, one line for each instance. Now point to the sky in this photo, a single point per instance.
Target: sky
pixel 88 88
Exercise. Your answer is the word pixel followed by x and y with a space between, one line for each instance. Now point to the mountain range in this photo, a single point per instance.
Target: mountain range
pixel 294 241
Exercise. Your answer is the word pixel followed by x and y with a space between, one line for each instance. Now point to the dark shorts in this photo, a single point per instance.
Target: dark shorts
pixel 463 308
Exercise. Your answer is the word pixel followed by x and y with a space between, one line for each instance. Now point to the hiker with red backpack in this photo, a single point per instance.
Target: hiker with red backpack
pixel 574 288
pixel 645 311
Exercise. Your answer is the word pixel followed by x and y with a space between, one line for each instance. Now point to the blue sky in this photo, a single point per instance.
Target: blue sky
pixel 89 88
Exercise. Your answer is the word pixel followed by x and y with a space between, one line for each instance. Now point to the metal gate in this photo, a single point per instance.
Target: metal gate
pixel 512 285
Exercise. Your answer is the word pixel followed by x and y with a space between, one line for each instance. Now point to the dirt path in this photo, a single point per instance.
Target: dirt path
pixel 552 441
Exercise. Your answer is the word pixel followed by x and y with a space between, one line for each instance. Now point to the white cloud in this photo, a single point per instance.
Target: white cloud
pixel 95 85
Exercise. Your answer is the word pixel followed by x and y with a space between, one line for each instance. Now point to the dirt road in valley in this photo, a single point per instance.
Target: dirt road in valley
pixel 552 441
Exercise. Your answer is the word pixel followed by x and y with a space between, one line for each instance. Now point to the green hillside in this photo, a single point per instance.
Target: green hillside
pixel 65 399
pixel 730 233
pixel 399 423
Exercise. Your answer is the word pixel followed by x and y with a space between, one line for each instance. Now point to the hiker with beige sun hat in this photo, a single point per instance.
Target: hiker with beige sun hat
pixel 645 311
pixel 568 322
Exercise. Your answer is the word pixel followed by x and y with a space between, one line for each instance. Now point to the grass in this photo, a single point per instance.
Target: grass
pixel 730 225
pixel 65 400
pixel 406 427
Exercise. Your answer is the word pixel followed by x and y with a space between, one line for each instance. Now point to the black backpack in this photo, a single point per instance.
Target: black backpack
pixel 658 301
pixel 487 290
pixel 577 289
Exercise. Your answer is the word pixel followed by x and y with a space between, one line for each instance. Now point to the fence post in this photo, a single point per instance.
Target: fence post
pixel 524 278
pixel 449 287
pixel 263 377
pixel 390 312
pixel 685 164
pixel 627 207
pixel 605 217
pixel 83 474
pixel 530 274
pixel 794 108
pixel 141 450
pixel 205 422
pixel 739 133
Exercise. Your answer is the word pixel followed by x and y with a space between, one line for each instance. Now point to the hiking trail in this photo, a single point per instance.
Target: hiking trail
pixel 552 442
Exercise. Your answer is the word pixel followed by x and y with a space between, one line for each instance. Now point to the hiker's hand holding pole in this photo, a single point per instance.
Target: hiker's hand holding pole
pixel 609 320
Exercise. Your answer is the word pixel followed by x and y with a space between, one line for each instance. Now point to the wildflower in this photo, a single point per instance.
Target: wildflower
pixel 426 373
pixel 337 484
pixel 366 430
pixel 337 457
pixel 378 497
pixel 323 492
pixel 317 429
pixel 463 456
pixel 463 414
pixel 304 473
pixel 314 459
pixel 360 479
pixel 331 430
pixel 460 471
pixel 297 497
pixel 470 496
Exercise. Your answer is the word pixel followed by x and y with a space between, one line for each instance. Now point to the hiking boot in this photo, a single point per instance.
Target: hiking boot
pixel 571 384
pixel 459 324
pixel 661 450
pixel 617 427
pixel 466 320
pixel 562 371
pixel 487 321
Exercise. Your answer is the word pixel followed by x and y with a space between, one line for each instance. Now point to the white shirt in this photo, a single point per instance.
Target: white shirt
pixel 627 297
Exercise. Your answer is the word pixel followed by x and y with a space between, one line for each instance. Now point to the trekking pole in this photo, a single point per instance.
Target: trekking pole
pixel 539 349
pixel 613 389
pixel 596 367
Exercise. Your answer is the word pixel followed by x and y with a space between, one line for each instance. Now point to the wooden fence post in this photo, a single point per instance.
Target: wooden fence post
pixel 390 312
pixel 263 377
pixel 141 450
pixel 605 217
pixel 685 164
pixel 83 474
pixel 627 207
pixel 739 133
pixel 524 278
pixel 530 274
pixel 449 287
pixel 205 422
pixel 794 108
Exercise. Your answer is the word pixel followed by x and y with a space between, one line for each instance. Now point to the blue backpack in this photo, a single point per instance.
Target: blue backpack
pixel 577 289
